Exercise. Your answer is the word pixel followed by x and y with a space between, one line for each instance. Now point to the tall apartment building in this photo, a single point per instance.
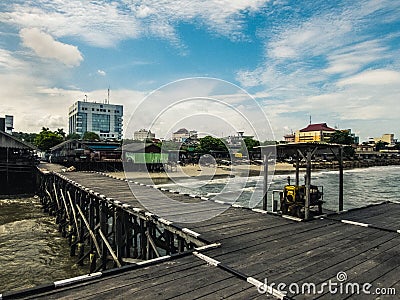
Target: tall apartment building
pixel 101 118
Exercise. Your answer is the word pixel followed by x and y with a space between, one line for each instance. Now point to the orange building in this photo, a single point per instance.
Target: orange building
pixel 314 133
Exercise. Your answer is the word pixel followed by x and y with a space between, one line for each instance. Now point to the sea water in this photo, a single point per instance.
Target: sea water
pixel 32 251
pixel 361 187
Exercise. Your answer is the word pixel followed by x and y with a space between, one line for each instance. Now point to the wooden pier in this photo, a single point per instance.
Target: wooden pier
pixel 228 256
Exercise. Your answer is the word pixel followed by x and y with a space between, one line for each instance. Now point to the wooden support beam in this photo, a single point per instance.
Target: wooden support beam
pixel 143 240
pixel 56 195
pixel 153 245
pixel 265 185
pixel 128 235
pixel 65 205
pixel 341 178
pixel 266 158
pixel 297 181
pixel 74 214
pixel 109 248
pixel 310 153
pixel 308 186
pixel 118 228
pixel 89 230
pixel 135 229
pixel 50 197
pixel 103 219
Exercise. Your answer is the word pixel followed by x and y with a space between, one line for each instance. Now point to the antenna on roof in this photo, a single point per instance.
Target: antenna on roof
pixel 310 119
pixel 108 95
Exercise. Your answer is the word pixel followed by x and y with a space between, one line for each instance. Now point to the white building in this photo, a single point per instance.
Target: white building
pixel 182 134
pixel 103 119
pixel 143 134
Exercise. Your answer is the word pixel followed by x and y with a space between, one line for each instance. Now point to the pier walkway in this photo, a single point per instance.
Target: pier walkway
pixel 359 246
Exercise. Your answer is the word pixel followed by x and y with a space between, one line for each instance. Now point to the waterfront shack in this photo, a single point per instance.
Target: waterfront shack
pixel 141 156
pixel 80 150
pixel 17 163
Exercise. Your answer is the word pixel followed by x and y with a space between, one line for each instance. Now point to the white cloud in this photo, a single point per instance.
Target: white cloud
pixel 104 24
pixel 352 58
pixel 35 106
pixel 98 22
pixel 46 47
pixel 9 62
pixel 208 105
pixel 101 73
pixel 372 78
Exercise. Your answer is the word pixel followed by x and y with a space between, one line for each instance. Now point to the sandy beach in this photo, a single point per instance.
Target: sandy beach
pixel 202 172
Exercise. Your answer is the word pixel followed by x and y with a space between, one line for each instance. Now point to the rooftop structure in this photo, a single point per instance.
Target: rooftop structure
pixel 317 127
pixel 319 132
pixel 143 134
pixel 9 141
pixel 101 118
pixel 182 134
pixel 289 138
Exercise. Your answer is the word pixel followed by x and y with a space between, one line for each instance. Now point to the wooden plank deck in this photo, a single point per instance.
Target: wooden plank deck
pixel 257 245
pixel 384 216
pixel 185 278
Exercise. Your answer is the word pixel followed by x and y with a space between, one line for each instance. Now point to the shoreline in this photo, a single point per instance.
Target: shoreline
pixel 203 173
pixel 209 173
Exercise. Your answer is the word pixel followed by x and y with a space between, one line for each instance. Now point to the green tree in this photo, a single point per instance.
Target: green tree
pixel 26 137
pixel 380 146
pixel 209 143
pixel 61 132
pixel 47 139
pixel 90 136
pixel 73 136
pixel 268 143
pixel 343 137
pixel 249 144
pixel 170 145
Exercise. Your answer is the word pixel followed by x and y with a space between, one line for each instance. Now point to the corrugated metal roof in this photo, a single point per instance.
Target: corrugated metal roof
pixel 9 141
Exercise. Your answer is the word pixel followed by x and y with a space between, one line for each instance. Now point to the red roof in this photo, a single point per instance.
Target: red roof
pixel 317 127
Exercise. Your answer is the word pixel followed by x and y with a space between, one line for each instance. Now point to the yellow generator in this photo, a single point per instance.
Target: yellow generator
pixel 293 200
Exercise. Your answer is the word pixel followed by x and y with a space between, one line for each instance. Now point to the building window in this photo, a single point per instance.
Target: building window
pixel 101 123
pixel 82 117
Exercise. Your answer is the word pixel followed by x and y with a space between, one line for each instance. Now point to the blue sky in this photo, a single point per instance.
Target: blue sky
pixel 337 61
